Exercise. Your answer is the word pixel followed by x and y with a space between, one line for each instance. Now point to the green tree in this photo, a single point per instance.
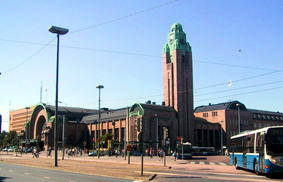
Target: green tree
pixel 10 139
pixel 2 136
pixel 106 137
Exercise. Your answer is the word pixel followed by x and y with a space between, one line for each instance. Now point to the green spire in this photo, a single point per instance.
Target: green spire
pixel 177 40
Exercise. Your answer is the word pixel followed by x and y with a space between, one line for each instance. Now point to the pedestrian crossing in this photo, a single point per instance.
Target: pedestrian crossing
pixel 210 163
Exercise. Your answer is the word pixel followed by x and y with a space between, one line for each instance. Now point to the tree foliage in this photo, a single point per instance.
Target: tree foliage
pixel 2 136
pixel 105 138
pixel 10 139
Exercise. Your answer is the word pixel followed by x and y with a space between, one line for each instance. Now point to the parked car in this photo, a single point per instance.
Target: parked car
pixel 94 153
pixel 28 150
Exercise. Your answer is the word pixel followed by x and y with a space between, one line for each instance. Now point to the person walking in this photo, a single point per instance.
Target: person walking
pixel 151 152
pixel 49 152
pixel 175 155
pixel 161 153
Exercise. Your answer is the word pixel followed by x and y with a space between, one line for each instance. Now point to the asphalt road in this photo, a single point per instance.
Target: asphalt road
pixel 12 172
pixel 200 169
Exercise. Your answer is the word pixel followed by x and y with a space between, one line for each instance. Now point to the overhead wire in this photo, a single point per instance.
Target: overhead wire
pixel 124 17
pixel 110 21
pixel 240 94
pixel 29 57
pixel 136 54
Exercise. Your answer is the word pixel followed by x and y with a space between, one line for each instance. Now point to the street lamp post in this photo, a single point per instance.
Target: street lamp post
pixel 99 88
pixel 156 134
pixel 27 126
pixel 95 138
pixel 239 117
pixel 59 31
pixel 221 136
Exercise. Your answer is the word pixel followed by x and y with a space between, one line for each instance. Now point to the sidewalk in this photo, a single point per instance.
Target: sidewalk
pixel 119 167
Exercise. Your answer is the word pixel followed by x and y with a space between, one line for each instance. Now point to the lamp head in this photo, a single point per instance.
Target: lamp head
pixel 99 86
pixel 58 30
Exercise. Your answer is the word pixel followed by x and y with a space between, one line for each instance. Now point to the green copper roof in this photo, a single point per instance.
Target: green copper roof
pixel 136 110
pixel 177 40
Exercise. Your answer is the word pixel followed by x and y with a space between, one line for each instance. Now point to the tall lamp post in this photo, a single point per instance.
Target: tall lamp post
pixel 221 137
pixel 59 31
pixel 27 126
pixel 156 134
pixel 99 88
pixel 239 117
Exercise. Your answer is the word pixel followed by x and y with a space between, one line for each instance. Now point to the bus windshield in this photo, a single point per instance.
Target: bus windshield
pixel 274 141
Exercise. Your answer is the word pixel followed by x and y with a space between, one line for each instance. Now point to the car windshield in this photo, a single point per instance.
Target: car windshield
pixel 274 141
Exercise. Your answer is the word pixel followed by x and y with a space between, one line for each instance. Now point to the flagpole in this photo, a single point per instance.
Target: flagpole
pixel 229 85
pixel 46 90
pixel 41 92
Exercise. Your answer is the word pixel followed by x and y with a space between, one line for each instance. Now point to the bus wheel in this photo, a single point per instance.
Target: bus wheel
pixel 256 167
pixel 236 164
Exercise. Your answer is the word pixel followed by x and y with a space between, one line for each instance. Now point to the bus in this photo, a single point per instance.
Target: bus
pixel 203 150
pixel 259 150
pixel 184 151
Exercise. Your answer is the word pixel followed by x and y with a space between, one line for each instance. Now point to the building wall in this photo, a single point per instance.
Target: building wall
pixel 18 118
pixel 249 120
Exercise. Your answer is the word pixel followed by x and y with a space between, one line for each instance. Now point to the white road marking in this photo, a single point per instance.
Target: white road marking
pixel 46 177
pixel 212 177
pixel 27 174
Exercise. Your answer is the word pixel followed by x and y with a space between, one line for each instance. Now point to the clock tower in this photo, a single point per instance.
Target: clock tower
pixel 178 81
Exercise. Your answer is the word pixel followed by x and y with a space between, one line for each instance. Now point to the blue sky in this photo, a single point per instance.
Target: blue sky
pixel 119 44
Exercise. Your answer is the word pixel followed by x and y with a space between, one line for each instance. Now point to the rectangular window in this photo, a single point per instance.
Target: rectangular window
pixel 205 114
pixel 214 113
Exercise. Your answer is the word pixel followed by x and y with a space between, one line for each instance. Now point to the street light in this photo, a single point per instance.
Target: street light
pixel 99 87
pixel 239 117
pixel 58 31
pixel 221 136
pixel 156 134
pixel 27 125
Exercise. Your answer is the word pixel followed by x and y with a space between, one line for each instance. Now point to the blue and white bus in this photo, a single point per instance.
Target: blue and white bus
pixel 184 151
pixel 259 150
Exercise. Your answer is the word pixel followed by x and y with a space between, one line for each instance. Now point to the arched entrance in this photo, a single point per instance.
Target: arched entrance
pixel 39 132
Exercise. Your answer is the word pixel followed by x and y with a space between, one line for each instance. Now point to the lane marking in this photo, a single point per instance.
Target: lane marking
pixel 46 177
pixel 11 170
pixel 212 177
pixel 27 174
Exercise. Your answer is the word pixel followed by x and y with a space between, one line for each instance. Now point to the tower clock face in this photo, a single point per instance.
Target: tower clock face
pixel 182 40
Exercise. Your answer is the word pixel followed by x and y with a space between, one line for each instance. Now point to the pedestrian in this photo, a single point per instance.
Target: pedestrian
pixel 116 153
pixel 49 152
pixel 69 153
pixel 161 154
pixel 34 152
pixel 151 153
pixel 175 155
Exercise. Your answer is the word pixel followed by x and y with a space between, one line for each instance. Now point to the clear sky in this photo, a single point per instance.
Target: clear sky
pixel 119 44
